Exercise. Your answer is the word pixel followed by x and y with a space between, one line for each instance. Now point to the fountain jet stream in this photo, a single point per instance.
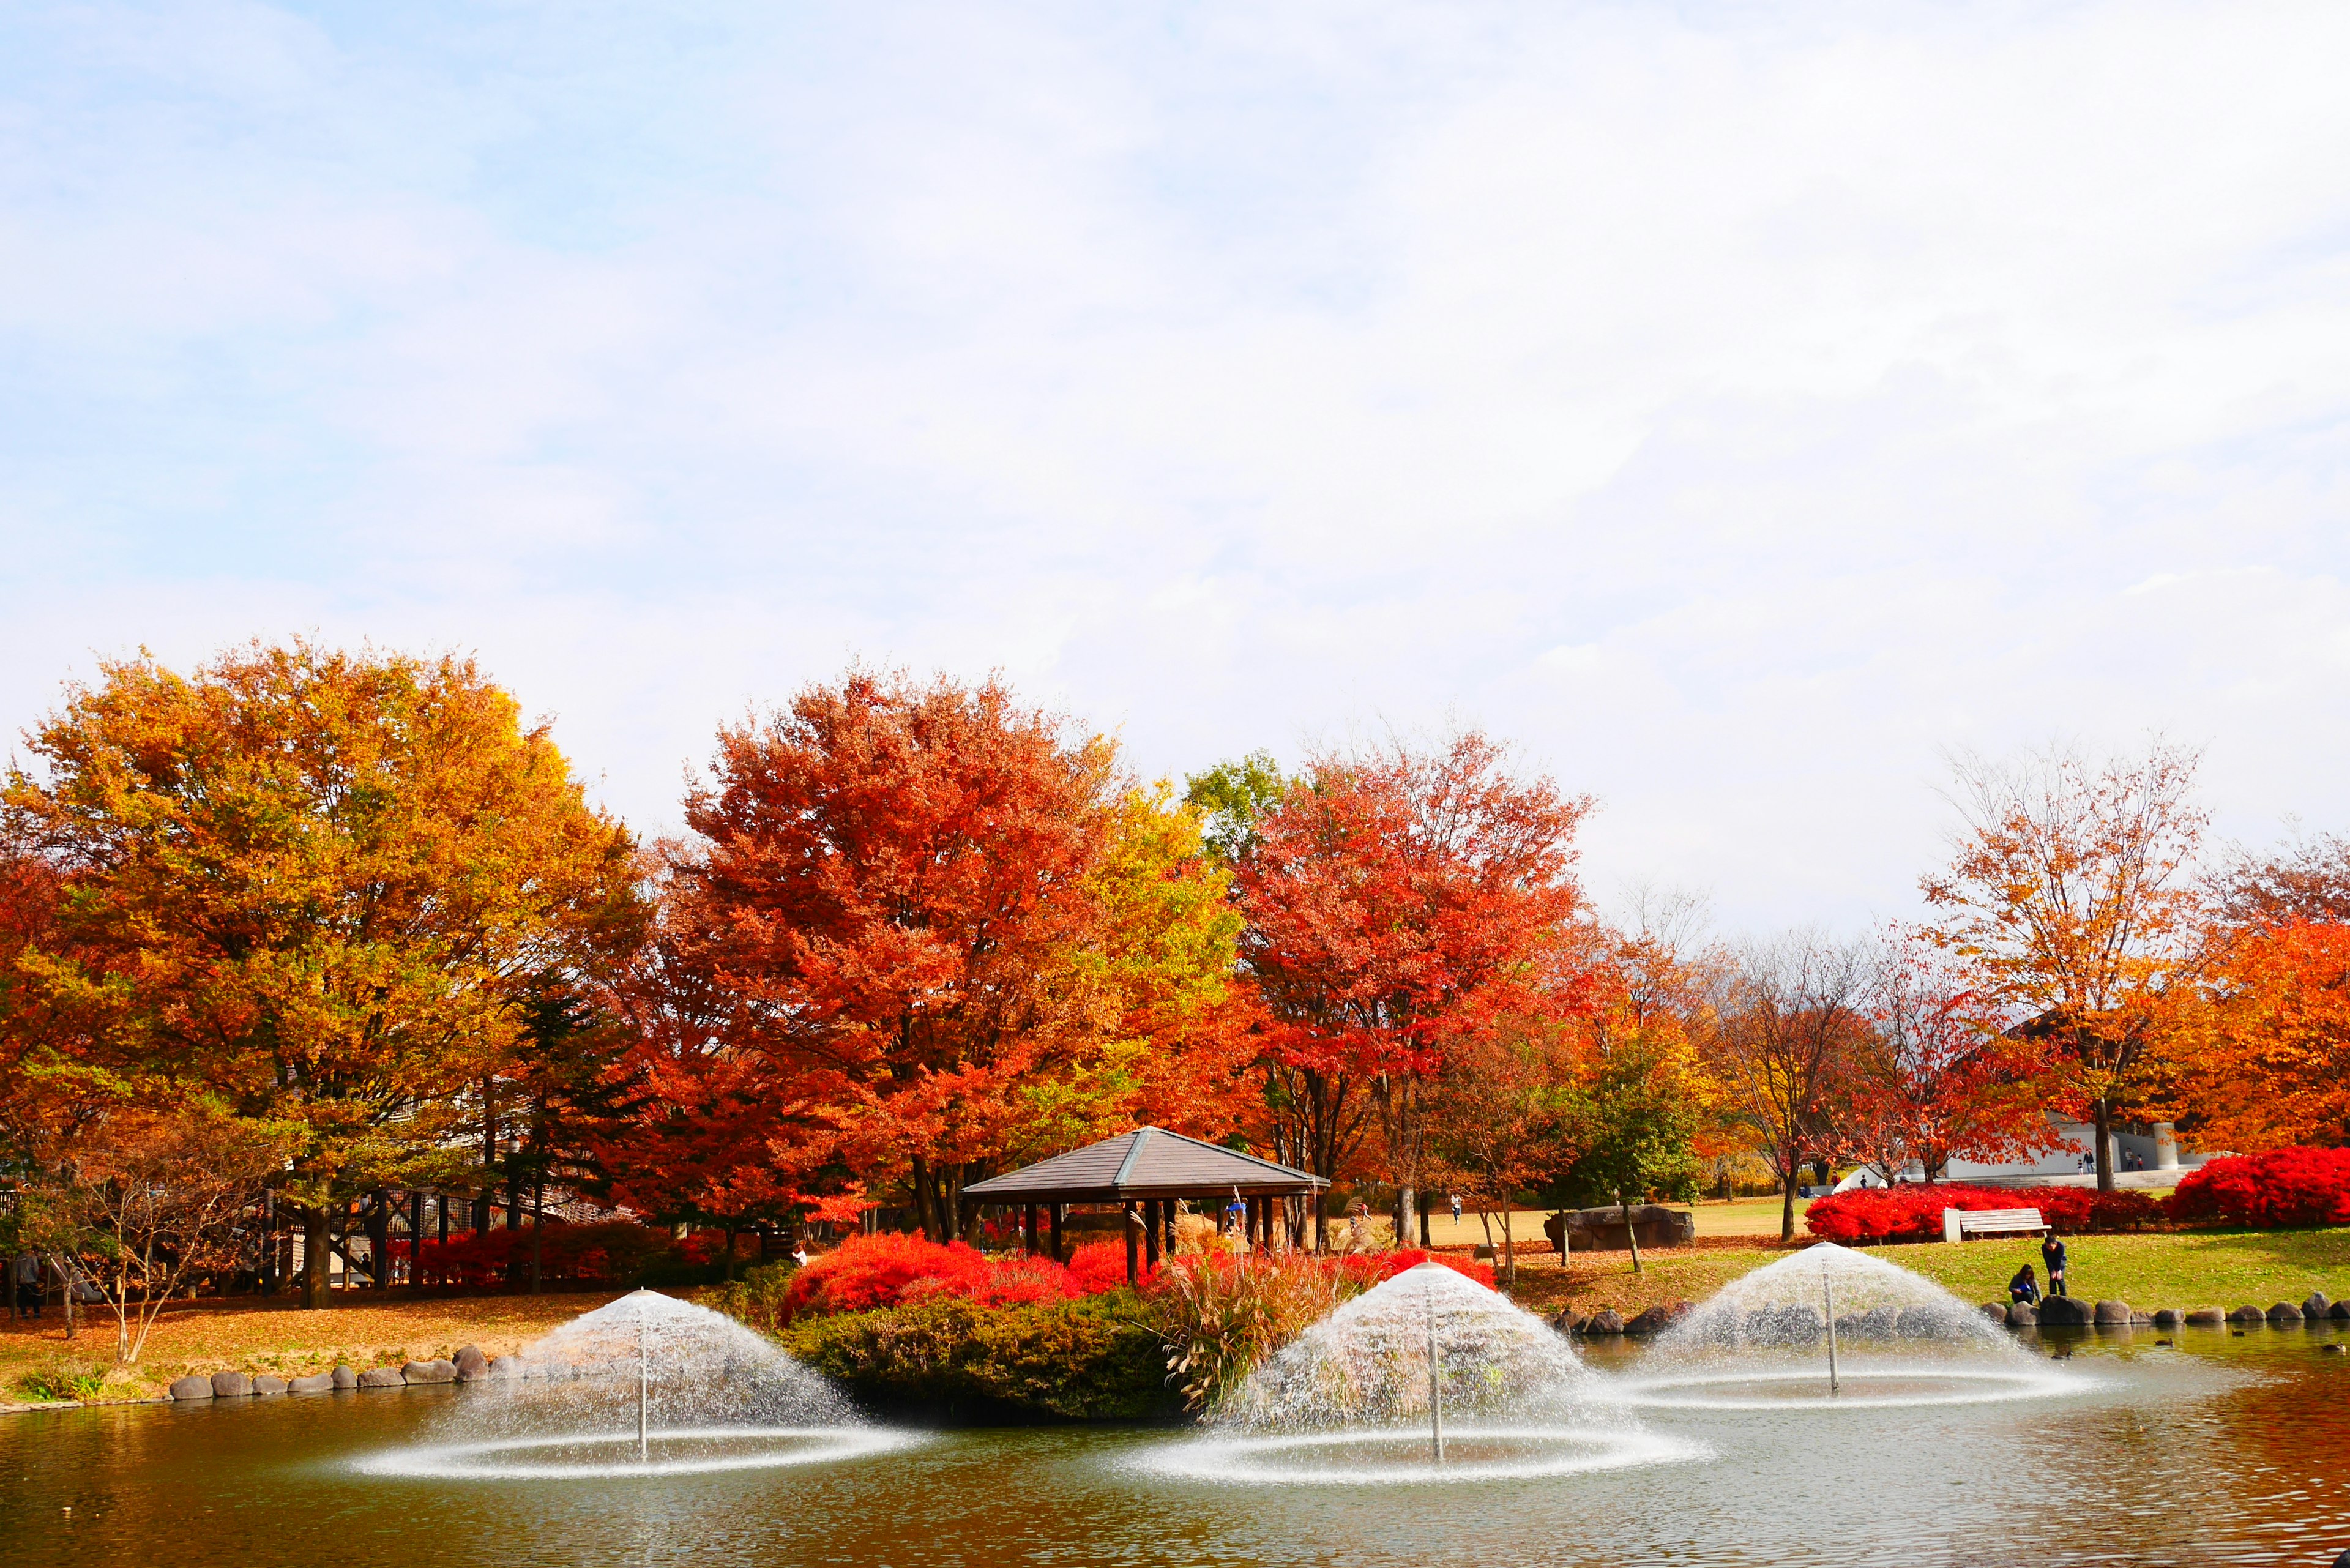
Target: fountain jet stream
pixel 1427 1376
pixel 1892 1338
pixel 730 1400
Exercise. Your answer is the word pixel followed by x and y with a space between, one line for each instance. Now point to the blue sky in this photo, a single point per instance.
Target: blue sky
pixel 1734 407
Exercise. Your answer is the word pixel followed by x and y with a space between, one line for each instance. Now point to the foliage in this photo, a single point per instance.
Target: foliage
pixel 1502 1109
pixel 1792 1021
pixel 1937 1077
pixel 61 1380
pixel 2066 901
pixel 890 1268
pixel 1221 1316
pixel 1913 1212
pixel 1398 903
pixel 923 930
pixel 616 1252
pixel 2274 1064
pixel 1230 797
pixel 1089 1358
pixel 757 1298
pixel 2285 1186
pixel 311 884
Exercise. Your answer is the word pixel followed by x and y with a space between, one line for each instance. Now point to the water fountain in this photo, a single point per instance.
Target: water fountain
pixel 1427 1377
pixel 647 1386
pixel 1832 1327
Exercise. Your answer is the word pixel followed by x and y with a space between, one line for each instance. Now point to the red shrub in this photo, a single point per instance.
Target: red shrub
pixel 1914 1213
pixel 887 1269
pixel 1099 1266
pixel 612 1252
pixel 1371 1268
pixel 2265 1192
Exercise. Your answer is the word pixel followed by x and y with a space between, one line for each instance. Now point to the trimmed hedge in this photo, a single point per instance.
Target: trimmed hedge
pixel 1914 1212
pixel 2286 1187
pixel 1083 1360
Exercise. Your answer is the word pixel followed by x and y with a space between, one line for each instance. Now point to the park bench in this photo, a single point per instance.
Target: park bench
pixel 1957 1224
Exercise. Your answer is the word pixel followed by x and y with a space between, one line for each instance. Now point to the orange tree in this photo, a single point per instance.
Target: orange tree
pixel 1395 903
pixel 2068 900
pixel 922 931
pixel 314 885
pixel 2271 1062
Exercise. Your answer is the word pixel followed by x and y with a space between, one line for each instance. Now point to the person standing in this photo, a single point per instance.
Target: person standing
pixel 25 1280
pixel 2051 1253
pixel 1456 1209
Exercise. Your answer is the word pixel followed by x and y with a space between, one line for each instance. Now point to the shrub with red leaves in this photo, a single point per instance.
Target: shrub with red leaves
pixel 891 1268
pixel 1099 1266
pixel 1914 1212
pixel 1369 1269
pixel 2285 1186
pixel 612 1252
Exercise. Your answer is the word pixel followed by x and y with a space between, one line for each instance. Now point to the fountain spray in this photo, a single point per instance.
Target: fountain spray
pixel 1435 1386
pixel 1827 1294
pixel 644 1386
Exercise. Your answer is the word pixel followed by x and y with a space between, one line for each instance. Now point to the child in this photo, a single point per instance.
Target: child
pixel 2025 1287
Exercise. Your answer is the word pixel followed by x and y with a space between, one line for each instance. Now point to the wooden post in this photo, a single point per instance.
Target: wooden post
pixel 1133 1271
pixel 440 1201
pixel 416 1240
pixel 1150 1231
pixel 1028 1230
pixel 1057 1256
pixel 1168 1208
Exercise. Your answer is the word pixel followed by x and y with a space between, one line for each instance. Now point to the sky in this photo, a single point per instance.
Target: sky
pixel 1738 409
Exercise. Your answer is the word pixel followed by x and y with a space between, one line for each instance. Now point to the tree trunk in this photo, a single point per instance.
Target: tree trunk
pixel 1787 1207
pixel 1406 1207
pixel 1509 1254
pixel 379 1239
pixel 538 1239
pixel 2104 1118
pixel 318 1250
pixel 1631 1237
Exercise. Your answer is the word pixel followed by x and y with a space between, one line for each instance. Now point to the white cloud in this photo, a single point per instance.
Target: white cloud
pixel 1734 408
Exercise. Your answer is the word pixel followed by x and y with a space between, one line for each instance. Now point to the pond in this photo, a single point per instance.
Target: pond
pixel 2223 1448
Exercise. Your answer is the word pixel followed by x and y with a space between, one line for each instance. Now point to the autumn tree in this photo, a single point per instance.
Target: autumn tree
pixel 1938 1077
pixel 947 932
pixel 157 1196
pixel 2269 1064
pixel 1497 1113
pixel 314 885
pixel 2068 898
pixel 1398 901
pixel 1789 1021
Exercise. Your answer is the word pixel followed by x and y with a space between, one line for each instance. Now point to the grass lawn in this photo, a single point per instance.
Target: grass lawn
pixel 248 1335
pixel 2189 1269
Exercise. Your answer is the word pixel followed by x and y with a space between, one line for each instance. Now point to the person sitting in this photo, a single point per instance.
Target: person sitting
pixel 2025 1287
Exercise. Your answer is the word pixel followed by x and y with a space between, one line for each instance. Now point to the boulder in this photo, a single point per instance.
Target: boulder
pixel 230 1386
pixel 1995 1310
pixel 2113 1314
pixel 2285 1314
pixel 382 1377
pixel 2248 1315
pixel 311 1383
pixel 1652 1320
pixel 2339 1311
pixel 2207 1317
pixel 429 1372
pixel 2066 1312
pixel 194 1386
pixel 470 1363
pixel 2169 1317
pixel 1604 1321
pixel 265 1383
pixel 2022 1314
pixel 2317 1305
pixel 343 1377
pixel 506 1366
pixel 1568 1321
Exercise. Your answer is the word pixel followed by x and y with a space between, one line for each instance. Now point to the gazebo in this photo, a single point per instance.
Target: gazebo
pixel 1145 1172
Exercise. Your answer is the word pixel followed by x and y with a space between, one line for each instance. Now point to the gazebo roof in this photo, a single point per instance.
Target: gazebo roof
pixel 1148 1162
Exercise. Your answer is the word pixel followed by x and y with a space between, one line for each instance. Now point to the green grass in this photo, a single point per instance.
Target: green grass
pixel 2182 1269
pixel 2188 1269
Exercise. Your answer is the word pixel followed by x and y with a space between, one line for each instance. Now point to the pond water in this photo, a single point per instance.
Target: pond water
pixel 2223 1450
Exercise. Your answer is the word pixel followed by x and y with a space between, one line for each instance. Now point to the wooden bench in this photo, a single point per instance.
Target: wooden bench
pixel 1957 1224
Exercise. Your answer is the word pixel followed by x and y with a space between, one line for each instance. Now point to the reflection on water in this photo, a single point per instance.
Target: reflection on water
pixel 2223 1450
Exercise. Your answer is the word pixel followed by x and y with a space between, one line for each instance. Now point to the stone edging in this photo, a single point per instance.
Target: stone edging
pixel 469 1365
